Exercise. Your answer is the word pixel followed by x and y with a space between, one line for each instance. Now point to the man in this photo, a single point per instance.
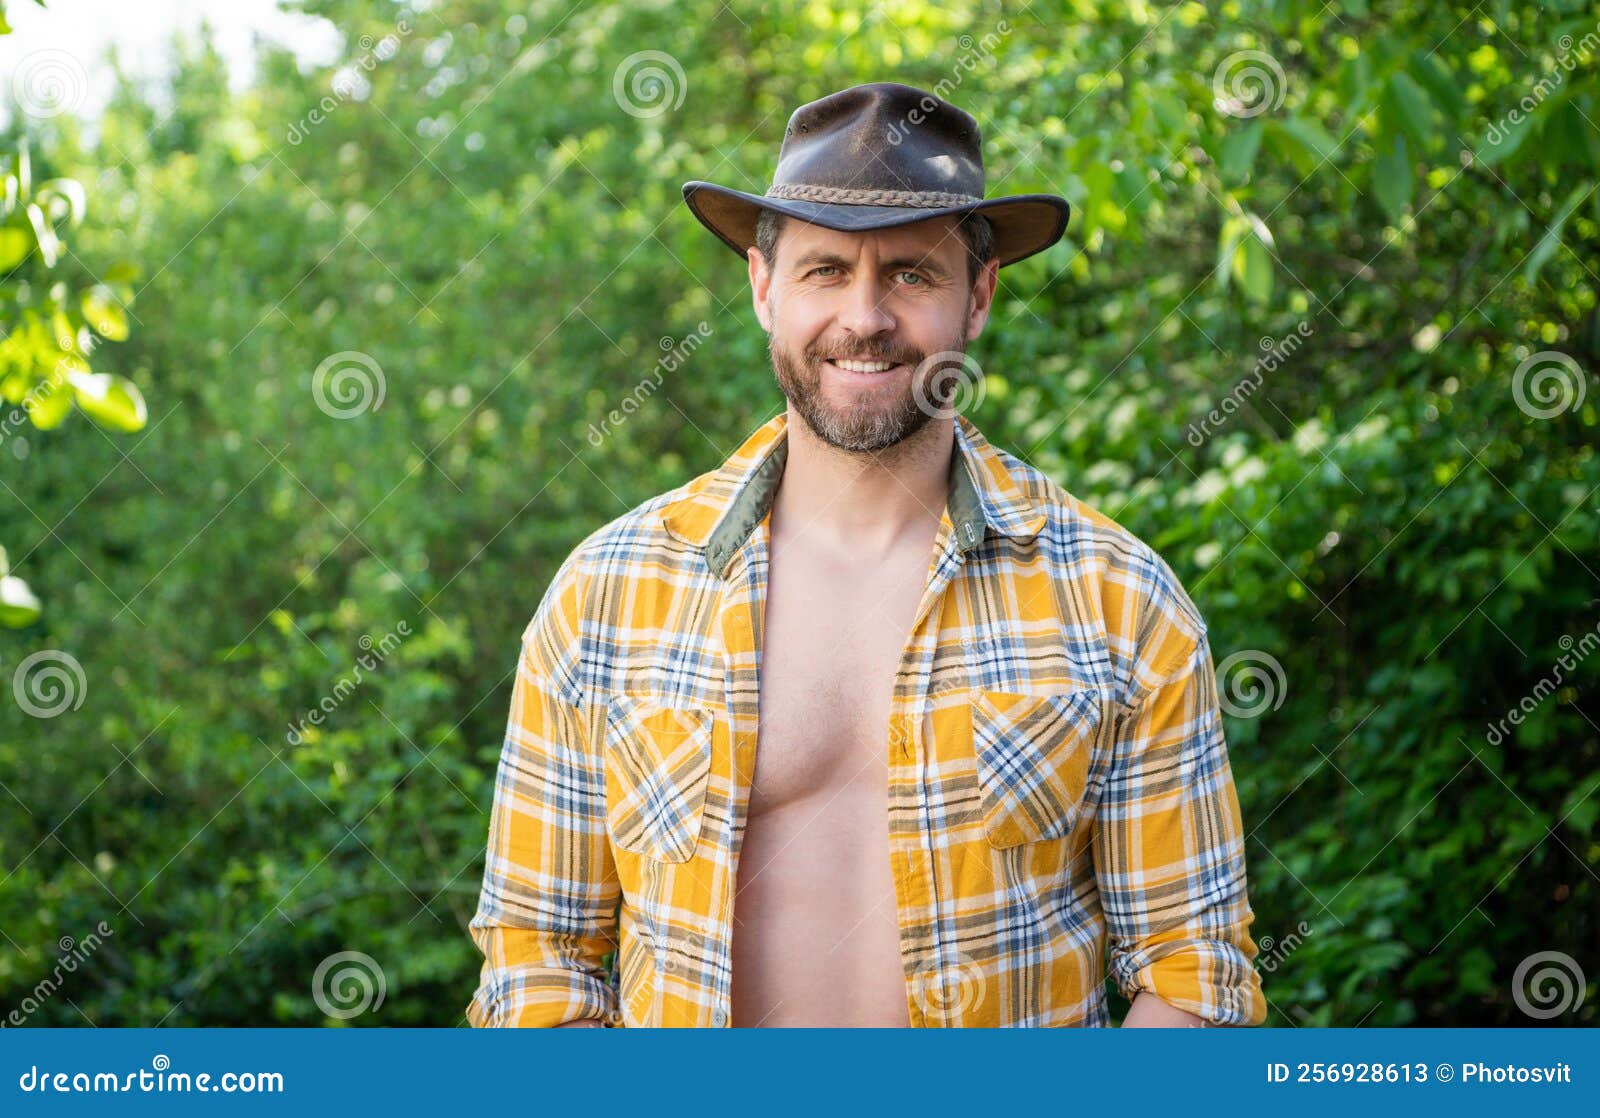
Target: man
pixel 874 725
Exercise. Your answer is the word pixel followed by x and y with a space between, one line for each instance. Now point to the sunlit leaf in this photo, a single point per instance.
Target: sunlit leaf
pixel 110 400
pixel 18 605
pixel 15 244
pixel 104 314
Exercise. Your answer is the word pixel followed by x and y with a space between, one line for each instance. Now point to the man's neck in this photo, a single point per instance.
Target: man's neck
pixel 863 504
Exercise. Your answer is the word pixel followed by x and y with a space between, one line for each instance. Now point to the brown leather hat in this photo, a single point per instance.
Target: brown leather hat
pixel 875 156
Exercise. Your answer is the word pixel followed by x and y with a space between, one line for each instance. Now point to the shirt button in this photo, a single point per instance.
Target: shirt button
pixel 719 1018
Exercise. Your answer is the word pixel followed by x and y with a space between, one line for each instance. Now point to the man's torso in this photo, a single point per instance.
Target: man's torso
pixel 958 762
pixel 816 939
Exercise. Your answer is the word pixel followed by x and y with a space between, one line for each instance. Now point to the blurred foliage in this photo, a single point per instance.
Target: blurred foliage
pixel 1397 205
pixel 49 325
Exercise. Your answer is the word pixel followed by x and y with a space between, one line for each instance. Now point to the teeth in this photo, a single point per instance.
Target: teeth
pixel 864 366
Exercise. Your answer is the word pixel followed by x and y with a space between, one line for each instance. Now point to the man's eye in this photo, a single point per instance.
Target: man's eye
pixel 914 275
pixel 821 268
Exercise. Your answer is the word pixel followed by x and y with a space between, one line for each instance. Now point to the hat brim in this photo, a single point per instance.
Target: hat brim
pixel 1023 223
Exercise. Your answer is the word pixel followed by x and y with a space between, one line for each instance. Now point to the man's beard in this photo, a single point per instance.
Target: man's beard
pixel 870 423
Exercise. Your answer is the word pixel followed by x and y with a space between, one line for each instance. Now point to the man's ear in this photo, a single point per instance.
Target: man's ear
pixel 983 297
pixel 760 286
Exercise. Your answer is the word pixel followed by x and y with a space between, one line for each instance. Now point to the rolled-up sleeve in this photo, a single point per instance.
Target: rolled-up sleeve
pixel 1169 843
pixel 546 913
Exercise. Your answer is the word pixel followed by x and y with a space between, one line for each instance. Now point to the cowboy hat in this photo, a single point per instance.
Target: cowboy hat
pixel 875 156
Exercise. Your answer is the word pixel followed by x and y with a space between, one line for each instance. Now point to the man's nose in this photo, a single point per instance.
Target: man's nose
pixel 864 314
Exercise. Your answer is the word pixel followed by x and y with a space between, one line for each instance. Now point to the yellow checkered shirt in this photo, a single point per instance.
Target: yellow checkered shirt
pixel 1061 804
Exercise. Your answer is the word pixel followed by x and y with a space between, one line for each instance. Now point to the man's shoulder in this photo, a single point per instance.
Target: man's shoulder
pixel 632 544
pixel 640 533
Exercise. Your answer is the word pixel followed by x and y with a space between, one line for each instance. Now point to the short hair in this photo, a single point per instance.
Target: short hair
pixel 975 230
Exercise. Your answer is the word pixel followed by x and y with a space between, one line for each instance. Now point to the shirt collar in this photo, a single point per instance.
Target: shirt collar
pixel 718 510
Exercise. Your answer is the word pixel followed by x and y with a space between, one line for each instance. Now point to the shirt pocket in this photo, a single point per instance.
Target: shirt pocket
pixel 1033 757
pixel 658 770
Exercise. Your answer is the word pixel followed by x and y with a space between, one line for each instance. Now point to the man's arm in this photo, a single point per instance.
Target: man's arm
pixel 1169 850
pixel 1150 1012
pixel 546 914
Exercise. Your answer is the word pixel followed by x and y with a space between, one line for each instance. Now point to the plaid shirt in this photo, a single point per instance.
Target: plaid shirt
pixel 1060 798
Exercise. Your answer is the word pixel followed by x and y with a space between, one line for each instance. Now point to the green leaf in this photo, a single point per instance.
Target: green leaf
pixel 1355 83
pixel 1546 248
pixel 15 245
pixel 1503 138
pixel 1581 808
pixel 1311 136
pixel 1170 111
pixel 1252 262
pixel 1227 242
pixel 1442 85
pixel 104 314
pixel 1238 150
pixel 110 400
pixel 18 606
pixel 48 402
pixel 1392 179
pixel 45 234
pixel 1412 106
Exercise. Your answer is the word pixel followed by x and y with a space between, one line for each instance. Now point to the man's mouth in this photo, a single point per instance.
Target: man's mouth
pixel 860 368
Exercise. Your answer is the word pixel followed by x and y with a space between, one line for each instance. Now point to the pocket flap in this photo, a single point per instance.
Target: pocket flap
pixel 1033 754
pixel 658 770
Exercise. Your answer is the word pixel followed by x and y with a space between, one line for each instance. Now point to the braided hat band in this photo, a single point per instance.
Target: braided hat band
pixel 930 199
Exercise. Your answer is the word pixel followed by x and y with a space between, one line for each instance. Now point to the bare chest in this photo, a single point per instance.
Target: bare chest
pixel 831 650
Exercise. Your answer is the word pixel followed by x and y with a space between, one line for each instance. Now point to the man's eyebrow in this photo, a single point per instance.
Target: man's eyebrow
pixel 819 256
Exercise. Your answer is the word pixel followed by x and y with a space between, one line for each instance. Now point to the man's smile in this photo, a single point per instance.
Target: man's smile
pixel 862 371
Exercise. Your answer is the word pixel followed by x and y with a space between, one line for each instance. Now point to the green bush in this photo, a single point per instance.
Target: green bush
pixel 1379 515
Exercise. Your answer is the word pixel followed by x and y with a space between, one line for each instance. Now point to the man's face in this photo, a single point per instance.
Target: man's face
pixel 893 296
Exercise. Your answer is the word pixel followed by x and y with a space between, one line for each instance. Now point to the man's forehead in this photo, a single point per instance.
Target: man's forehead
pixel 934 238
